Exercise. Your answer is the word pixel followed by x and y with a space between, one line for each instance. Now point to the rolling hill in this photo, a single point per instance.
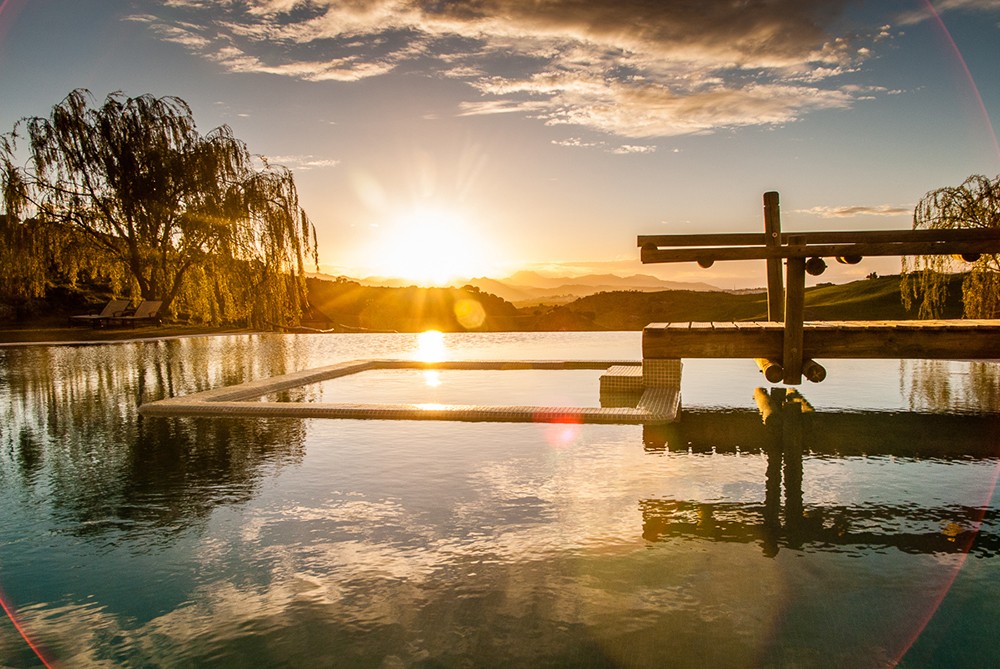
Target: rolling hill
pixel 349 305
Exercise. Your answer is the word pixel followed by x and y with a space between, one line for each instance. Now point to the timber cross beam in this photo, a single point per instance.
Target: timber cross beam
pixel 804 252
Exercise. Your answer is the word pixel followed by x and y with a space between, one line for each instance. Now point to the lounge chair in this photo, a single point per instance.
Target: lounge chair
pixel 148 310
pixel 112 309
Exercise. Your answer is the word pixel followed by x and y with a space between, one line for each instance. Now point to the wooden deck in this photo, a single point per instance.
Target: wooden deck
pixel 943 339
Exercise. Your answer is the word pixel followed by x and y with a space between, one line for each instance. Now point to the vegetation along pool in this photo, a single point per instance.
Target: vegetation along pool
pixel 863 534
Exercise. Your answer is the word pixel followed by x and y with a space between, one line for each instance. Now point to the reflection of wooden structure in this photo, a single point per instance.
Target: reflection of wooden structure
pixel 786 344
pixel 784 428
pixel 901 434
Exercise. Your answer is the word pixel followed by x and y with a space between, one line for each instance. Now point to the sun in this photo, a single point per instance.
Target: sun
pixel 430 246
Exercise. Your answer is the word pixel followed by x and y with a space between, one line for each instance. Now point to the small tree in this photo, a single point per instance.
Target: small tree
pixel 132 193
pixel 974 204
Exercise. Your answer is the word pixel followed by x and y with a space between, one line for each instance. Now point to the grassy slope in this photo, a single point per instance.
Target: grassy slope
pixel 871 299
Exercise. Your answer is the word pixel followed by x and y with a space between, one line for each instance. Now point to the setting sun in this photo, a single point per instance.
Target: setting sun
pixel 430 247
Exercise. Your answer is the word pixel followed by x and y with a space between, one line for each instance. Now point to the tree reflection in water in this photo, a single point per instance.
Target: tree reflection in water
pixel 928 385
pixel 785 428
pixel 68 435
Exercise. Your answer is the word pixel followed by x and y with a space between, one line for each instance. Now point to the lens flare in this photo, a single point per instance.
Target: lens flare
pixel 9 610
pixel 564 430
pixel 470 313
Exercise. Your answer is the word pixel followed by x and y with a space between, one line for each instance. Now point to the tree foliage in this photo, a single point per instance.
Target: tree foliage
pixel 974 204
pixel 131 193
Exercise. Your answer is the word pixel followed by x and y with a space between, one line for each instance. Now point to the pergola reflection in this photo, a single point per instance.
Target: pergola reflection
pixel 785 428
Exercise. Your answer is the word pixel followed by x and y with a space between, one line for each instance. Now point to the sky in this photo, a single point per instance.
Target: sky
pixel 432 139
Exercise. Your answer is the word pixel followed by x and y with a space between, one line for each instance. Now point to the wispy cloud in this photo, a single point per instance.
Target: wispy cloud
pixel 633 148
pixel 302 163
pixel 851 212
pixel 622 149
pixel 576 142
pixel 630 68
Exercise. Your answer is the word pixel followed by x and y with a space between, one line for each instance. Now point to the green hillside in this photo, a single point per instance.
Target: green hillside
pixel 344 305
pixel 869 299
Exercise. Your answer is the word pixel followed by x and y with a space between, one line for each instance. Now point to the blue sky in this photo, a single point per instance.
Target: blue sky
pixel 431 138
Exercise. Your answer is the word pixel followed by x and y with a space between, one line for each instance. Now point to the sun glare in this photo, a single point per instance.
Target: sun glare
pixel 430 347
pixel 430 247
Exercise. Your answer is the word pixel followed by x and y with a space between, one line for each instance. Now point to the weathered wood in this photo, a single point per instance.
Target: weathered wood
pixel 650 254
pixel 819 237
pixel 794 342
pixel 813 371
pixel 974 340
pixel 771 369
pixel 795 288
pixel 772 240
pixel 892 236
pixel 707 239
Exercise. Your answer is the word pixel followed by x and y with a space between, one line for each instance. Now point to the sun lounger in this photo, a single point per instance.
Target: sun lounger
pixel 147 311
pixel 112 309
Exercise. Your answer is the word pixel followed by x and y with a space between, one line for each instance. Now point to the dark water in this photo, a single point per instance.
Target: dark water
pixel 861 534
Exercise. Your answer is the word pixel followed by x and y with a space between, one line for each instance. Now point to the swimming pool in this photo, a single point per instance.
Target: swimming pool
pixel 133 541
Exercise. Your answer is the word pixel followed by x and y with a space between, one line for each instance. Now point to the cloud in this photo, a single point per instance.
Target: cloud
pixel 302 163
pixel 576 142
pixel 851 212
pixel 629 68
pixel 633 148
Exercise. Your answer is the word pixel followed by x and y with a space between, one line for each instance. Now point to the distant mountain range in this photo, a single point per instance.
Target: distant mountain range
pixel 527 288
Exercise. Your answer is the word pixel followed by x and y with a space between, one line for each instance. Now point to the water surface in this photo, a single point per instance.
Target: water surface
pixel 859 534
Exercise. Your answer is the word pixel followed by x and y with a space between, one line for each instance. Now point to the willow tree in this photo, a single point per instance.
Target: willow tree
pixel 132 193
pixel 974 204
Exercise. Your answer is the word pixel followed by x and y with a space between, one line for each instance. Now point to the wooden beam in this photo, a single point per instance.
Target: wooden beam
pixel 656 255
pixel 772 240
pixel 813 371
pixel 771 369
pixel 719 239
pixel 942 340
pixel 820 237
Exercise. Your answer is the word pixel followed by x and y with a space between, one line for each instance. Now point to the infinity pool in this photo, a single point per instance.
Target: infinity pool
pixel 863 532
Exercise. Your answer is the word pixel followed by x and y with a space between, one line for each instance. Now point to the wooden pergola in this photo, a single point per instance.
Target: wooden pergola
pixel 786 345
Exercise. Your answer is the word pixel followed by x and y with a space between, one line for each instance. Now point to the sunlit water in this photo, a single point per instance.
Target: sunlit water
pixel 310 543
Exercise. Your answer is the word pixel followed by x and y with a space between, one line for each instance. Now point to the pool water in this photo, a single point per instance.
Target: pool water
pixel 862 533
pixel 527 387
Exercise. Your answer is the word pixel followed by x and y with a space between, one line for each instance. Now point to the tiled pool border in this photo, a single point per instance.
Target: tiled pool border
pixel 657 404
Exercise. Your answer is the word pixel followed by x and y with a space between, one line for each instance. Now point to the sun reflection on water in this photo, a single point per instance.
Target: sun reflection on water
pixel 430 347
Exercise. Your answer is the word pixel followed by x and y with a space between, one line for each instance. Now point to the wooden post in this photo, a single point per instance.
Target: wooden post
pixel 794 315
pixel 772 235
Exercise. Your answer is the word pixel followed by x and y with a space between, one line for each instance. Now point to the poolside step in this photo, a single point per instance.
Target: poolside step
pixel 622 379
pixel 663 403
pixel 661 373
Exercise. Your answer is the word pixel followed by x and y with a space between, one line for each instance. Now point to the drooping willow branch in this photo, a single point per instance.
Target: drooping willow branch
pixel 973 204
pixel 132 193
